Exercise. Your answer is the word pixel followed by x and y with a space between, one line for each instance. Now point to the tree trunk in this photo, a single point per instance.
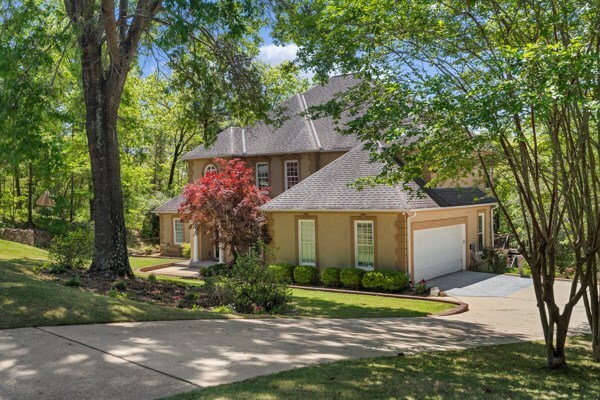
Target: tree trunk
pixel 173 166
pixel 72 199
pixel 102 93
pixel 18 188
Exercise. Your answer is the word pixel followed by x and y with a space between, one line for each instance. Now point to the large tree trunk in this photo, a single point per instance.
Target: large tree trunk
pixel 102 93
pixel 30 196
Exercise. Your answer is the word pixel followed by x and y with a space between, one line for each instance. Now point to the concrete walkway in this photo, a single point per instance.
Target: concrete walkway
pixel 154 359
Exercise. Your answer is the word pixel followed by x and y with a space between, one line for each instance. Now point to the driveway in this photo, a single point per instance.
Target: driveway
pixel 154 359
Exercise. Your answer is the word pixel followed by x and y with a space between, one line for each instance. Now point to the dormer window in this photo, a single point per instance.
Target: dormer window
pixel 209 169
pixel 262 175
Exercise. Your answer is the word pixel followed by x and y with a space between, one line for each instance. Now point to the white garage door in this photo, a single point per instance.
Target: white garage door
pixel 439 251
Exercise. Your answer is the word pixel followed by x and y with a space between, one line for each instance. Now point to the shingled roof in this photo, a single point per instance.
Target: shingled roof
pixel 297 134
pixel 328 189
pixel 171 206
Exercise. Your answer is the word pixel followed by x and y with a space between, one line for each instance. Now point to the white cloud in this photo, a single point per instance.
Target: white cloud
pixel 273 55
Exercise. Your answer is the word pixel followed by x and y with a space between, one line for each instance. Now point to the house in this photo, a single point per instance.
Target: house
pixel 316 218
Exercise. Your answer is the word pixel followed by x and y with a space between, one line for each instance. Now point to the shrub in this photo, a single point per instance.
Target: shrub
pixel 120 286
pixel 73 281
pixel 152 278
pixel 188 300
pixel 284 272
pixel 330 277
pixel 186 250
pixel 215 270
pixel 250 288
pixel 387 281
pixel 496 260
pixel 148 250
pixel 306 275
pixel 223 309
pixel 422 287
pixel 351 278
pixel 74 249
pixel 54 268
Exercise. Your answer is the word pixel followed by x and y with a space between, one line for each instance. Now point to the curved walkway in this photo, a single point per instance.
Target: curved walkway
pixel 154 359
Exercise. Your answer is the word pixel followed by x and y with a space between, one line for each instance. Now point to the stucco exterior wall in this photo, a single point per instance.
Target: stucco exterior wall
pixel 335 238
pixel 309 163
pixel 167 235
pixel 453 216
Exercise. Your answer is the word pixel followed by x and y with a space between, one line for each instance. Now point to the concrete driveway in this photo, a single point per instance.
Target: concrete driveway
pixel 154 359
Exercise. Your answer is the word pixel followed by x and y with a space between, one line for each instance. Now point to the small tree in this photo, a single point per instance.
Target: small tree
pixel 227 201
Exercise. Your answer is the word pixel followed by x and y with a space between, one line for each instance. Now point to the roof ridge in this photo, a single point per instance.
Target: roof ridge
pixel 309 121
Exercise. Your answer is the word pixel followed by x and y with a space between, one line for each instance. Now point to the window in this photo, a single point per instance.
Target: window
pixel 306 242
pixel 364 244
pixel 292 173
pixel 210 168
pixel 480 231
pixel 262 175
pixel 177 231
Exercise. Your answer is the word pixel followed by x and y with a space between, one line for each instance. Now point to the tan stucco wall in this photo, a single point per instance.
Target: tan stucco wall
pixel 335 239
pixel 167 234
pixel 309 163
pixel 453 216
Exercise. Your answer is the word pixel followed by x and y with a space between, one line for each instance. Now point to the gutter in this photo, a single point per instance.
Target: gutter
pixel 363 210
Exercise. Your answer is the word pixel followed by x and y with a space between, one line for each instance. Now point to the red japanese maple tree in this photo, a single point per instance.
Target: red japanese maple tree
pixel 227 201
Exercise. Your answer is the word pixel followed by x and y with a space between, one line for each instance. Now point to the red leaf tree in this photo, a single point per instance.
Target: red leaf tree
pixel 226 202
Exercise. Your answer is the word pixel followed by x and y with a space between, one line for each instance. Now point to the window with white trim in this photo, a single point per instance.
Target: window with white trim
pixel 177 231
pixel 480 232
pixel 292 173
pixel 364 244
pixel 262 175
pixel 210 168
pixel 307 251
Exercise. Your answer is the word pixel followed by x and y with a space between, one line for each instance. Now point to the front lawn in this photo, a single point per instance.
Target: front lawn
pixel 26 299
pixel 314 303
pixel 513 371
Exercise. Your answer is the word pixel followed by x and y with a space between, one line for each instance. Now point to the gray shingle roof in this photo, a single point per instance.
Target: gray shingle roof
pixel 171 206
pixel 327 189
pixel 297 133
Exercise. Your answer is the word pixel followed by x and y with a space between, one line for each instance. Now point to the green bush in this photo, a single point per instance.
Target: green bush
pixel 152 278
pixel 120 286
pixel 216 270
pixel 422 287
pixel 250 288
pixel 331 277
pixel 351 278
pixel 306 275
pixel 496 260
pixel 74 249
pixel 387 281
pixel 73 281
pixel 186 250
pixel 284 272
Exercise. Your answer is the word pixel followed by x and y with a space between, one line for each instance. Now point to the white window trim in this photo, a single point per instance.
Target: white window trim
pixel 256 173
pixel 285 169
pixel 175 232
pixel 482 233
pixel 211 166
pixel 356 222
pixel 313 264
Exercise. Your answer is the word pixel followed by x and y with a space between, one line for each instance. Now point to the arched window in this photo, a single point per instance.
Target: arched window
pixel 210 168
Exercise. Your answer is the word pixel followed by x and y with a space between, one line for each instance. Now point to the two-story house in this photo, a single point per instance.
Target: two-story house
pixel 316 218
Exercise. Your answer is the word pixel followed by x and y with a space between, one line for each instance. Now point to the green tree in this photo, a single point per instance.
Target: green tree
pixel 454 86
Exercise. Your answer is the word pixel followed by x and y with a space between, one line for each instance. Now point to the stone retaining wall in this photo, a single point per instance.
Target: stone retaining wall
pixel 31 237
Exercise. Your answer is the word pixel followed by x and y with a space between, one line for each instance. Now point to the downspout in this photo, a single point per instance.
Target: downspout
pixel 409 242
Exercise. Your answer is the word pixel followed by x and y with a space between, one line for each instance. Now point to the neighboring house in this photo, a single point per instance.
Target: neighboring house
pixel 315 218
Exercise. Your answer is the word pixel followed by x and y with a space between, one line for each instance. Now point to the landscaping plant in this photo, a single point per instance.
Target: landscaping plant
pixel 72 250
pixel 386 281
pixel 331 277
pixel 351 278
pixel 306 275
pixel 284 272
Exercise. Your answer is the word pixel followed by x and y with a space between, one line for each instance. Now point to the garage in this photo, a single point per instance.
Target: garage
pixel 439 251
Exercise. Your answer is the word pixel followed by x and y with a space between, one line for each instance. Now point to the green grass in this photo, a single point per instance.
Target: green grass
pixel 141 262
pixel 513 371
pixel 314 303
pixel 28 300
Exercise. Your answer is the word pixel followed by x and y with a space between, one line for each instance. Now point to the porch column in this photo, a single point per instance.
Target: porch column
pixel 221 254
pixel 196 252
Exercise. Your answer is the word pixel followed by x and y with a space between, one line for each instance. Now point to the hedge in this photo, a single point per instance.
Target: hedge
pixel 306 275
pixel 283 272
pixel 351 278
pixel 387 281
pixel 331 277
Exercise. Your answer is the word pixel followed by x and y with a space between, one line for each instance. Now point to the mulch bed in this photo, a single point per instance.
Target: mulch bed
pixel 155 292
